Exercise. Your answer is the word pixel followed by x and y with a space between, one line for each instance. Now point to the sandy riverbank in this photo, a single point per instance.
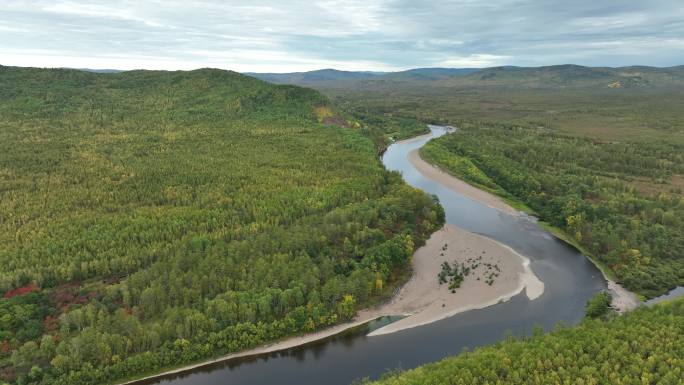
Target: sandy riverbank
pixel 623 299
pixel 458 185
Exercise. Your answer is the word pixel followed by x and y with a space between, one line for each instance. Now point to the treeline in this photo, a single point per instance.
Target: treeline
pixel 641 347
pixel 588 188
pixel 380 124
pixel 150 219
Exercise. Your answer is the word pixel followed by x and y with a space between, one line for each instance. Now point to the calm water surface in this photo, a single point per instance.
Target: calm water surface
pixel 672 294
pixel 570 280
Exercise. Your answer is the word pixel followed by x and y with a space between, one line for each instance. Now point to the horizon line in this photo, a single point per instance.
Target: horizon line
pixel 339 70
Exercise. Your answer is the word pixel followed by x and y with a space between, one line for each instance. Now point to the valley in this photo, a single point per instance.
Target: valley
pixel 359 192
pixel 203 226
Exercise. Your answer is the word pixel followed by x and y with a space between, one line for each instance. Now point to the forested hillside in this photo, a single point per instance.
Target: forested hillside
pixel 150 219
pixel 641 347
pixel 621 201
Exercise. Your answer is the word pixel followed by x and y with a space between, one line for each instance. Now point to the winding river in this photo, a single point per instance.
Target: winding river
pixel 570 280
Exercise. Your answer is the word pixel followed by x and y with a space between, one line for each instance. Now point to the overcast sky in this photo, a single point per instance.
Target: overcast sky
pixel 381 35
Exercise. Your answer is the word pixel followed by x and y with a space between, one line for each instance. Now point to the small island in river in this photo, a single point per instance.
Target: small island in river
pixel 423 299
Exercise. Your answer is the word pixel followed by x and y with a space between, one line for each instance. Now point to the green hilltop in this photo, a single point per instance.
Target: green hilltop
pixel 150 219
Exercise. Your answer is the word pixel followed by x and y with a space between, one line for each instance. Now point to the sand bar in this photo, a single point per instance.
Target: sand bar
pixel 425 300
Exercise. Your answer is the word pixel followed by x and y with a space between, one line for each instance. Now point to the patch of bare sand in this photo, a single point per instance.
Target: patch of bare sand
pixel 424 300
pixel 458 185
pixel 623 299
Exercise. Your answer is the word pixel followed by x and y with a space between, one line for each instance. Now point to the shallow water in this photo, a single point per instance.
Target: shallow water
pixel 570 280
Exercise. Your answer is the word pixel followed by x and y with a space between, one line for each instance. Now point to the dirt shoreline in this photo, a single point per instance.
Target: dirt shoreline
pixel 623 299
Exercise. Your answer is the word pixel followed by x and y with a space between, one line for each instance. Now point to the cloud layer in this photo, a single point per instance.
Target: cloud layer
pixel 381 35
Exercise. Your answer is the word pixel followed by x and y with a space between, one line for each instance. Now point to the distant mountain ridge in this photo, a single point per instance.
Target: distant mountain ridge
pixel 564 75
pixel 329 74
pixel 101 71
pixel 434 73
pixel 544 77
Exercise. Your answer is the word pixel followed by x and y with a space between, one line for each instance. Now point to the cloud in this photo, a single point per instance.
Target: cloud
pixel 98 11
pixel 474 61
pixel 296 35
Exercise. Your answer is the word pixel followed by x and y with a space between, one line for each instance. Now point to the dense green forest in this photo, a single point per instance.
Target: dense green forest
pixel 150 219
pixel 641 347
pixel 588 188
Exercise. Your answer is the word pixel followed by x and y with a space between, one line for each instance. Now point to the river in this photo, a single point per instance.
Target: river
pixel 570 280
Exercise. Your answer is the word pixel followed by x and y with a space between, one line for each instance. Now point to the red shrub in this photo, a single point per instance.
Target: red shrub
pixel 21 290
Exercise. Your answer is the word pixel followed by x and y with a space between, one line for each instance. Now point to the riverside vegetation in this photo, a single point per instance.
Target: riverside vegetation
pixel 640 347
pixel 152 219
pixel 454 273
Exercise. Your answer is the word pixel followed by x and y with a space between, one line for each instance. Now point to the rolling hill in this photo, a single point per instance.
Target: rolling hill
pixel 150 219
